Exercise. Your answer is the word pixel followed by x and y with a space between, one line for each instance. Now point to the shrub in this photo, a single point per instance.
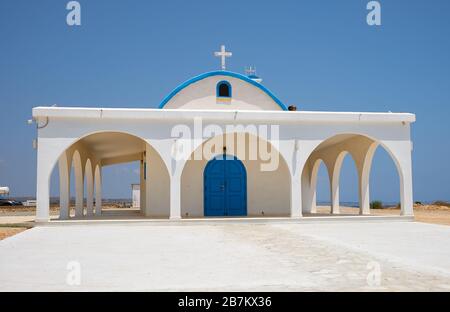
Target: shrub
pixel 376 204
pixel 441 203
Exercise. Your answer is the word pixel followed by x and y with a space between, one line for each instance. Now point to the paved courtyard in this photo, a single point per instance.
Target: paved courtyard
pixel 324 256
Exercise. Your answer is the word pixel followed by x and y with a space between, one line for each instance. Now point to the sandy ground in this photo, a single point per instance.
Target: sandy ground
pixel 422 213
pixel 335 256
pixel 10 231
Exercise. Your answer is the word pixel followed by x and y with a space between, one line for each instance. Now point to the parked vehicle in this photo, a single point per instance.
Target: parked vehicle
pixel 8 202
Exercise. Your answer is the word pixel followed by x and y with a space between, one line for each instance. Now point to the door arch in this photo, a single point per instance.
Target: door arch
pixel 225 187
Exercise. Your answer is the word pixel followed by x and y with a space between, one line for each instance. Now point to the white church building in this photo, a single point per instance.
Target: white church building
pixel 220 145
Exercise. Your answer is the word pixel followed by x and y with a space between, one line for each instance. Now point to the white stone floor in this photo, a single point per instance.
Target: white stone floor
pixel 325 256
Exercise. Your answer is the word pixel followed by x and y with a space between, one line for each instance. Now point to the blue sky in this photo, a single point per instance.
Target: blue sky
pixel 317 54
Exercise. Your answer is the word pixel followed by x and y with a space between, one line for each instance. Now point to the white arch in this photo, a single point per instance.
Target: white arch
pixel 64 187
pixel 389 146
pixel 197 144
pixel 400 153
pixel 189 168
pixel 77 160
pixel 61 149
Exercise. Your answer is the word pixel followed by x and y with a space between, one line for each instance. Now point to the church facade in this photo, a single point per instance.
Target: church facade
pixel 219 145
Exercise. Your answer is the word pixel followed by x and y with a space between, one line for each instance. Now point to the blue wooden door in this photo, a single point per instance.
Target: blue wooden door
pixel 225 187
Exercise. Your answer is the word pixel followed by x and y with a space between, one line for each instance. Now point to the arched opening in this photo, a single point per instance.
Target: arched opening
pixel 80 173
pixel 223 89
pixel 321 182
pixel 384 185
pixel 341 154
pixel 345 182
pixel 117 189
pixel 268 178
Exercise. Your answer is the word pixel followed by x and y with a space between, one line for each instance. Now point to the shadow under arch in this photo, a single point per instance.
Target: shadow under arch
pixel 70 147
pixel 103 148
pixel 268 192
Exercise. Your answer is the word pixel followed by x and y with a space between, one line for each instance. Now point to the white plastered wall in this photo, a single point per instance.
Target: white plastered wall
pixel 157 185
pixel 296 143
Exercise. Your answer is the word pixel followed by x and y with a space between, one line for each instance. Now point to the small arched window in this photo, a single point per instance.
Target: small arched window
pixel 223 89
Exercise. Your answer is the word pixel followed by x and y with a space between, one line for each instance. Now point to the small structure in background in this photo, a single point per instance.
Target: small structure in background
pixel 30 203
pixel 4 201
pixel 4 190
pixel 136 195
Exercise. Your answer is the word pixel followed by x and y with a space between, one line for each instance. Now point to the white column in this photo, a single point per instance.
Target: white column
pixel 406 186
pixel 89 190
pixel 306 194
pixel 296 197
pixel 175 196
pixel 335 193
pixel 90 199
pixel 98 190
pixel 335 175
pixel 79 190
pixel 364 177
pixel 314 176
pixel 64 187
pixel 313 188
pixel 364 196
pixel 42 186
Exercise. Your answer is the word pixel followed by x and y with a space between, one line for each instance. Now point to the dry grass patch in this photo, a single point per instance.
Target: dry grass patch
pixel 434 213
pixel 6 231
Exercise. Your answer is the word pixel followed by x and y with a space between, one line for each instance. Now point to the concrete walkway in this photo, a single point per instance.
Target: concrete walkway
pixel 340 256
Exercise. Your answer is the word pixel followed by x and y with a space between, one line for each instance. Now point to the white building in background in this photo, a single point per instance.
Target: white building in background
pixel 29 203
pixel 135 195
pixel 272 154
pixel 4 190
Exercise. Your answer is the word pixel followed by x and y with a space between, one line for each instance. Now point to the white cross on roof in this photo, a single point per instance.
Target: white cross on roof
pixel 223 54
